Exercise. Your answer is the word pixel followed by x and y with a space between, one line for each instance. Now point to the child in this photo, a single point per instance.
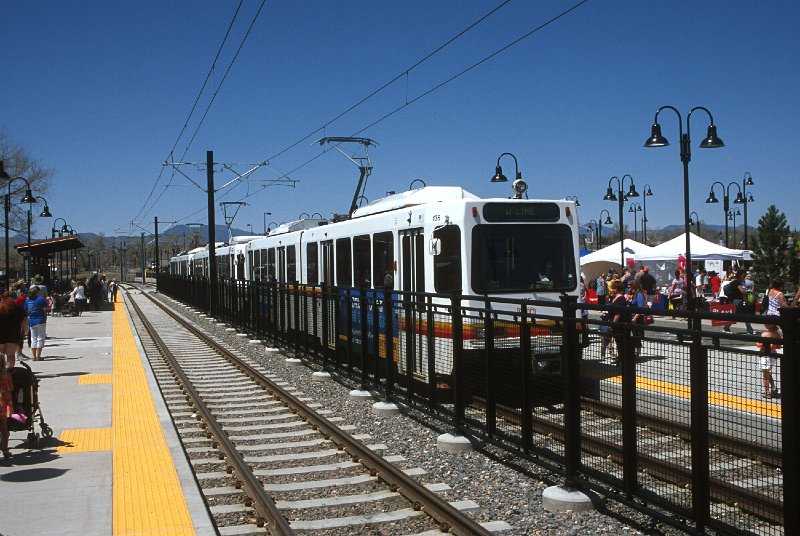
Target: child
pixel 6 405
pixel 768 362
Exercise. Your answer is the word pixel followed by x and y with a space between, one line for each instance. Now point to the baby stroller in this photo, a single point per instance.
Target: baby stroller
pixel 26 405
pixel 63 306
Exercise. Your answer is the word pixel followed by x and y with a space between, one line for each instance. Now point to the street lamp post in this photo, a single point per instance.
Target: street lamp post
pixel 600 224
pixel 265 221
pixel 699 377
pixel 646 193
pixel 711 141
pixel 519 186
pixel 696 221
pixel 620 198
pixel 29 198
pixel 732 216
pixel 747 180
pixel 635 207
pixel 45 214
pixel 726 191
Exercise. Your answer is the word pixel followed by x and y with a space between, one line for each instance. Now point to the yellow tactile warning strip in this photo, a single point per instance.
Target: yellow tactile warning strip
pixel 94 379
pixel 767 409
pixel 84 440
pixel 147 497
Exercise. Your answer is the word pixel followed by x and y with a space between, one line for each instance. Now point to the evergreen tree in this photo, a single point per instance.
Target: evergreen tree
pixel 771 257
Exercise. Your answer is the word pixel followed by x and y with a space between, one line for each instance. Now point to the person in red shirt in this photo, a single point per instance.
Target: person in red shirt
pixel 22 295
pixel 715 282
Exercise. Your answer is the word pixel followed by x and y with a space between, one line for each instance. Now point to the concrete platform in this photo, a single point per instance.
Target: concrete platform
pixel 65 484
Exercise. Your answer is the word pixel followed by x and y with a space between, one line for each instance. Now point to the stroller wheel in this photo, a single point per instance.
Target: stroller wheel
pixel 47 431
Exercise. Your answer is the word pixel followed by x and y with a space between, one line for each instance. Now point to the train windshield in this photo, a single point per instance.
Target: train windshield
pixel 523 258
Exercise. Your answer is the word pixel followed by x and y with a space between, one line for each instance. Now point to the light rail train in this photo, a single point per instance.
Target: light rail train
pixel 434 240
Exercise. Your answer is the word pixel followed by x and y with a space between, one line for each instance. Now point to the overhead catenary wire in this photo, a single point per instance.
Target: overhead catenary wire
pixel 384 86
pixel 451 79
pixel 197 100
pixel 422 95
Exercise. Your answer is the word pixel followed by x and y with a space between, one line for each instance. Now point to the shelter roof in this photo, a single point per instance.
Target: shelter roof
pixel 41 248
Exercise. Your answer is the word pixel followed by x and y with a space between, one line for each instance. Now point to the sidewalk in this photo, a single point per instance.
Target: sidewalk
pixel 65 485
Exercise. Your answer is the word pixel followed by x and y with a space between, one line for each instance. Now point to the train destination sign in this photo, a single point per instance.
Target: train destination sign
pixel 521 212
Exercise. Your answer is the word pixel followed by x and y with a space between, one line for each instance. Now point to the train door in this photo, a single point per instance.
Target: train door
pixel 281 265
pixel 327 262
pixel 412 317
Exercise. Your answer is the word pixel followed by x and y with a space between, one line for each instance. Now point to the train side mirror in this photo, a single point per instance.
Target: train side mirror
pixel 435 247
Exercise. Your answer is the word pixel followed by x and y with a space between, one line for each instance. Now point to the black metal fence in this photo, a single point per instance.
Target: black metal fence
pixel 676 418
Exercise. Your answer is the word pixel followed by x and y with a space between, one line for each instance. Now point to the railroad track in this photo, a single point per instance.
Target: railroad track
pixel 268 459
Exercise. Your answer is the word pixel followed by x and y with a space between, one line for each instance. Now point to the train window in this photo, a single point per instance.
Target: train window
pixel 327 262
pixel 361 260
pixel 271 274
pixel 312 263
pixel 291 263
pixel 447 265
pixel 240 266
pixel 523 258
pixel 344 277
pixel 222 266
pixel 382 257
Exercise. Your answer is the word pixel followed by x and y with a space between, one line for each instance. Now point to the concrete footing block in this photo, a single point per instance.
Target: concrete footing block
pixel 359 394
pixel 242 335
pixel 293 361
pixel 271 349
pixel 230 329
pixel 385 408
pixel 321 376
pixel 562 498
pixel 254 341
pixel 453 443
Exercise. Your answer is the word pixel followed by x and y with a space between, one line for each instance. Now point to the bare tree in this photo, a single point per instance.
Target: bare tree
pixel 18 163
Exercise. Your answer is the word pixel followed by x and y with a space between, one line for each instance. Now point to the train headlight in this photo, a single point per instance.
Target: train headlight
pixel 520 187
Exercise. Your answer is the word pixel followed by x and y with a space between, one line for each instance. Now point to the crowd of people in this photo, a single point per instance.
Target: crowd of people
pixel 24 310
pixel 735 287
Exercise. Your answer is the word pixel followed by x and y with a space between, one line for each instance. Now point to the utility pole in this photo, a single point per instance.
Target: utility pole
pixel 212 258
pixel 210 191
pixel 144 262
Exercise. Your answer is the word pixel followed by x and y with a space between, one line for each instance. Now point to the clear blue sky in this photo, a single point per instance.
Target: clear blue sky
pixel 99 91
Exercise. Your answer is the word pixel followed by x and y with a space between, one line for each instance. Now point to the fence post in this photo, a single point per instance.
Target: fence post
pixel 570 365
pixel 458 346
pixel 363 316
pixel 349 324
pixel 431 347
pixel 790 411
pixel 488 337
pixel 409 299
pixel 630 462
pixel 698 381
pixel 526 360
pixel 388 309
pixel 324 305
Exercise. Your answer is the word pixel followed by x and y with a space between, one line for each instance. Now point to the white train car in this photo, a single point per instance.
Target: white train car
pixel 437 240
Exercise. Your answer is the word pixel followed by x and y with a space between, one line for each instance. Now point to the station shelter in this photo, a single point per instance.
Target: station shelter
pixel 55 259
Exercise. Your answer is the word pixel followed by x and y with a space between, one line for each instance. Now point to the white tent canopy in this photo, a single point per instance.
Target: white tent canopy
pixel 702 250
pixel 601 260
pixel 612 253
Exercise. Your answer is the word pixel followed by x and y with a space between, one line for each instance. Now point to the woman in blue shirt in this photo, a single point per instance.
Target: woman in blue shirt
pixel 37 307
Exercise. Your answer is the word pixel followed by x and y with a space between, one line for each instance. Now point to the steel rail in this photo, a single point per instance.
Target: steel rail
pixel 262 503
pixel 448 517
pixel 753 503
pixel 727 444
